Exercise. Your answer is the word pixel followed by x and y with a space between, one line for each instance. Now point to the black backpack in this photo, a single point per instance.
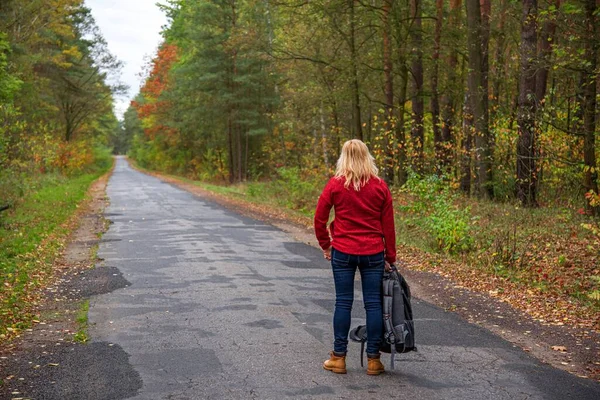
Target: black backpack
pixel 398 326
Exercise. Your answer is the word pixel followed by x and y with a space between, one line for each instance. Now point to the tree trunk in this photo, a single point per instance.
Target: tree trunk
pixel 467 145
pixel 400 132
pixel 237 134
pixel 499 77
pixel 526 146
pixel 68 130
pixel 356 119
pixel 545 45
pixel 388 142
pixel 478 95
pixel 435 99
pixel 417 133
pixel 486 9
pixel 448 98
pixel 590 177
pixel 546 41
pixel 323 135
pixel 230 147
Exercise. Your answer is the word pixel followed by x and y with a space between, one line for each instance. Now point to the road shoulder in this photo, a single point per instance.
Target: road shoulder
pixel 40 361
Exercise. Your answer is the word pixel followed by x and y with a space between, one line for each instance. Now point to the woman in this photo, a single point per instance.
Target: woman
pixel 362 236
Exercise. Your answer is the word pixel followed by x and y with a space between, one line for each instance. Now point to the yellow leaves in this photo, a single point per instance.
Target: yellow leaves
pixel 72 51
pixel 589 168
pixel 595 295
pixel 60 62
pixel 561 349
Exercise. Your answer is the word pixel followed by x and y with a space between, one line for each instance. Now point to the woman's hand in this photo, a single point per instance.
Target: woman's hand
pixel 327 254
pixel 388 267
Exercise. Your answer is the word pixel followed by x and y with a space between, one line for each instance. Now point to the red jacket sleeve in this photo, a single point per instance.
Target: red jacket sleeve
pixel 322 217
pixel 387 225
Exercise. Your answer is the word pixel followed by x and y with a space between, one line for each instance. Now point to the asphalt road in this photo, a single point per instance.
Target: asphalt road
pixel 219 306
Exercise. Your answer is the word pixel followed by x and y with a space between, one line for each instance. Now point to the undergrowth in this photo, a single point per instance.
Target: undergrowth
pixel 32 234
pixel 551 250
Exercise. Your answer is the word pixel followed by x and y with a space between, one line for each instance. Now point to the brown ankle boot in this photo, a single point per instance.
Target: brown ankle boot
pixel 335 363
pixel 374 366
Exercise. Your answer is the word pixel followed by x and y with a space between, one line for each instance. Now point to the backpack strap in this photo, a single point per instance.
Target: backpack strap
pixel 362 353
pixel 394 276
pixel 388 288
pixel 392 356
pixel 388 321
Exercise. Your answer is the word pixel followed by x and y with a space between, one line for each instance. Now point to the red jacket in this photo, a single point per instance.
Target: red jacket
pixel 364 220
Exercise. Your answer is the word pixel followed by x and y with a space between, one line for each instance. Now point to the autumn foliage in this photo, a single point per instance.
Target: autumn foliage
pixel 152 110
pixel 56 120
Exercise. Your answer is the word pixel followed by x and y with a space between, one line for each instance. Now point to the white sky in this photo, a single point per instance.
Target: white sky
pixel 132 31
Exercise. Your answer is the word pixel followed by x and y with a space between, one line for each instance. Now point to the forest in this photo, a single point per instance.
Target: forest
pixel 482 116
pixel 499 98
pixel 57 84
pixel 56 93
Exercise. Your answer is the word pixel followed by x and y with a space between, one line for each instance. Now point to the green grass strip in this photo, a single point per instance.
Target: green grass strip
pixel 31 237
pixel 82 321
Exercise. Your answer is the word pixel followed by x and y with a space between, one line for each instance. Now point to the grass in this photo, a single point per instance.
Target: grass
pixel 291 192
pixel 544 260
pixel 547 248
pixel 81 335
pixel 32 235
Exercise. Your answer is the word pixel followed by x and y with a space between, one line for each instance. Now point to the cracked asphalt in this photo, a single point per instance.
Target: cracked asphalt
pixel 219 306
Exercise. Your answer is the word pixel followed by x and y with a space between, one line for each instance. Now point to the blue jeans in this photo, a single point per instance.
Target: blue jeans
pixel 371 273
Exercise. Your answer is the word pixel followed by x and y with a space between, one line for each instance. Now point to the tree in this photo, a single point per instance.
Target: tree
pixel 448 100
pixel 478 95
pixel 435 98
pixel 209 98
pixel 417 130
pixel 129 128
pixel 356 109
pixel 388 170
pixel 79 83
pixel 9 84
pixel 401 26
pixel 55 54
pixel 545 44
pixel 590 83
pixel 526 146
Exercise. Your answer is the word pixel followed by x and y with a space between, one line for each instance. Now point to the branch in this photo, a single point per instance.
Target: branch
pixel 567 131
pixel 302 58
pixel 560 159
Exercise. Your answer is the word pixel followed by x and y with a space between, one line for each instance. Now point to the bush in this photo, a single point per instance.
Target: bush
pixel 298 192
pixel 434 208
pixel 293 188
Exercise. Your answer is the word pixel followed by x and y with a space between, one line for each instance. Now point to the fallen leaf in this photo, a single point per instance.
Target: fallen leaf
pixel 559 348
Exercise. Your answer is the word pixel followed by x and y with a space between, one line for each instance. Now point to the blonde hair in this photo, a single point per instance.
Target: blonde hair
pixel 356 164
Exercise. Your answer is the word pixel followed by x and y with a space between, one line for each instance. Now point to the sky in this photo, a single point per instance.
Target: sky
pixel 132 31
